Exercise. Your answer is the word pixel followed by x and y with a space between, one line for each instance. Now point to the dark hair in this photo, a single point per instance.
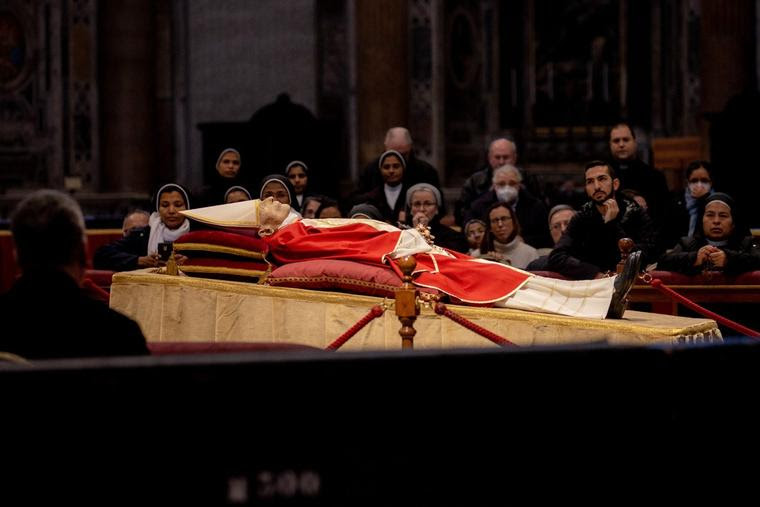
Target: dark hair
pixel 327 202
pixel 48 230
pixel 488 239
pixel 314 197
pixel 172 187
pixel 595 163
pixel 693 166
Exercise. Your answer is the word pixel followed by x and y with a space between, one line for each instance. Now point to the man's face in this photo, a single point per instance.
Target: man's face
pixel 622 143
pixel 134 221
pixel 717 222
pixel 599 185
pixel 229 165
pixel 502 179
pixel 272 212
pixel 500 153
pixel 558 223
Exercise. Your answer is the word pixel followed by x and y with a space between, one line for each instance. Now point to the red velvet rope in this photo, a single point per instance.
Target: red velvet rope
pixel 441 309
pixel 657 284
pixel 374 313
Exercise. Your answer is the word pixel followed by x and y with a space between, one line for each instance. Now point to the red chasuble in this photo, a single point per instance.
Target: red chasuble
pixel 468 279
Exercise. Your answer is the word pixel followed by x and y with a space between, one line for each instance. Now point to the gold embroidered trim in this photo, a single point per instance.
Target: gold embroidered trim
pixel 332 279
pixel 223 271
pixel 205 247
pixel 633 323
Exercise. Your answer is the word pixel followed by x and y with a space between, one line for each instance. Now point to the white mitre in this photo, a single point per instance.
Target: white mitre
pixel 240 216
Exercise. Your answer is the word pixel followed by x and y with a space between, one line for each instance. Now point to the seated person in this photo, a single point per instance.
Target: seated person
pixel 507 187
pixel 311 204
pixel 502 242
pixel 298 174
pixel 474 231
pixel 423 203
pixel 139 249
pixel 690 204
pixel 589 246
pixel 559 218
pixel 279 188
pixel 46 314
pixel 227 175
pixel 719 245
pixel 134 220
pixel 329 209
pixel 364 210
pixel 236 194
pixel 389 196
pixel 460 276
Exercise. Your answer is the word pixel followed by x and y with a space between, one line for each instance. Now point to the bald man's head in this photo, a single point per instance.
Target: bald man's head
pixel 399 139
pixel 502 152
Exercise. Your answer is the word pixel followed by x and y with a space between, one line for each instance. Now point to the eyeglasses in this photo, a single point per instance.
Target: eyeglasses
pixel 501 219
pixel 426 204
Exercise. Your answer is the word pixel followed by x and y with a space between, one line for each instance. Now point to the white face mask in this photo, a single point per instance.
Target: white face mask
pixel 699 188
pixel 507 193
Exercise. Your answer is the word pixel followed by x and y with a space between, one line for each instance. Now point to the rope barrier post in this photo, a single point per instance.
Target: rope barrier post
pixel 407 307
pixel 625 245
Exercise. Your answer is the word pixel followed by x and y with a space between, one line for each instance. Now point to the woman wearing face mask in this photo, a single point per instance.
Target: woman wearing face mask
pixel 507 188
pixel 691 204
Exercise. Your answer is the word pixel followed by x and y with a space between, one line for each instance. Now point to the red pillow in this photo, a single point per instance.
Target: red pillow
pixel 348 276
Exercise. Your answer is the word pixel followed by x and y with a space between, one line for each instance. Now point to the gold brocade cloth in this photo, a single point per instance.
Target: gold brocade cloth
pixel 183 308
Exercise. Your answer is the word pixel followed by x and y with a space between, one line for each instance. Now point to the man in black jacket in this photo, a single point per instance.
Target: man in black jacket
pixel 589 247
pixel 501 152
pixel 637 175
pixel 46 314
